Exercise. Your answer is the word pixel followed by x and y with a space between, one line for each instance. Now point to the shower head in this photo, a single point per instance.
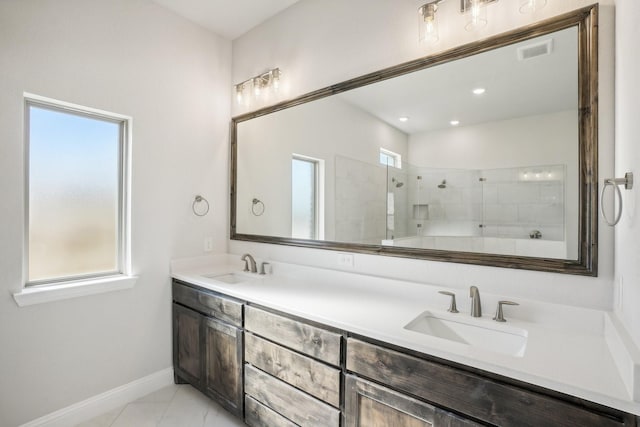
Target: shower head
pixel 398 183
pixel 443 184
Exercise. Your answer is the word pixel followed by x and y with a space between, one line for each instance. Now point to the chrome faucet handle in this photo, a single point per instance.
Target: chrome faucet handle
pixel 452 306
pixel 246 265
pixel 262 264
pixel 499 317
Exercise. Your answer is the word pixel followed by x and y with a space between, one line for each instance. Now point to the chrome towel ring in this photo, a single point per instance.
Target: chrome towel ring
pixel 203 210
pixel 627 181
pixel 257 207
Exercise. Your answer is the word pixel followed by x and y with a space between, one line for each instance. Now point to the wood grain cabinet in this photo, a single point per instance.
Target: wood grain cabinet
pixel 481 398
pixel 292 372
pixel 208 344
pixel 368 404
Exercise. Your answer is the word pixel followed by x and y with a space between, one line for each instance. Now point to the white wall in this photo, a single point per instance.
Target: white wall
pixel 173 77
pixel 627 153
pixel 322 130
pixel 320 42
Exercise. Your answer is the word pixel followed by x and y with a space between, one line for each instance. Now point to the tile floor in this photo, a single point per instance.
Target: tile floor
pixel 172 406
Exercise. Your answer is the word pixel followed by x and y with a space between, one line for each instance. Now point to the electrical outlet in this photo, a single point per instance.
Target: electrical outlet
pixel 208 244
pixel 345 260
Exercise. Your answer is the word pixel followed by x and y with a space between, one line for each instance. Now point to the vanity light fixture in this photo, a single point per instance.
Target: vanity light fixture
pixel 476 9
pixel 256 86
pixel 477 13
pixel 531 6
pixel 479 91
pixel 404 119
pixel 428 22
pixel 454 122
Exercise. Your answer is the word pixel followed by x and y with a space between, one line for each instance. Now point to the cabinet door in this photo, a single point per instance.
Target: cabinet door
pixel 223 364
pixel 371 405
pixel 186 344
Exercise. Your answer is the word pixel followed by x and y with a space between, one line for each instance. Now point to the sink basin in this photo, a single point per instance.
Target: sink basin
pixel 480 333
pixel 232 278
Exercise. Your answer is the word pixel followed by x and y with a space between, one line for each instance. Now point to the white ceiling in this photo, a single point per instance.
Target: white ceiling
pixel 433 97
pixel 228 18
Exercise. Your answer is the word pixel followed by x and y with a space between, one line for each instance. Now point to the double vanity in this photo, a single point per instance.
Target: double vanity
pixel 314 347
pixel 307 346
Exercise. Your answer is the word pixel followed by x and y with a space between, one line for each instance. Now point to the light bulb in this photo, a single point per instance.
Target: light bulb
pixel 240 92
pixel 275 79
pixel 477 16
pixel 428 23
pixel 257 86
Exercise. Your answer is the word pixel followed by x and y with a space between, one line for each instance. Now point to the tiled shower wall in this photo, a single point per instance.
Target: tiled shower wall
pixel 361 205
pixel 510 203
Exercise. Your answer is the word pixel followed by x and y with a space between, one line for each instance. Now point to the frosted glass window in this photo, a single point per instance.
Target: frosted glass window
pixel 304 185
pixel 75 186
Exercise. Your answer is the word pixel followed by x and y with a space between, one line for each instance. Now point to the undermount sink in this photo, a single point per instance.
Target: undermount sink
pixel 475 332
pixel 232 278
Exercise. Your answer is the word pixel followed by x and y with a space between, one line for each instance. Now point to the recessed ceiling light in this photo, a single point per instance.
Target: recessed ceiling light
pixel 454 122
pixel 479 91
pixel 404 119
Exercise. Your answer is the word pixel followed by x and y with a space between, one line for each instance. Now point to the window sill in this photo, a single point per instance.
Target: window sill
pixel 67 290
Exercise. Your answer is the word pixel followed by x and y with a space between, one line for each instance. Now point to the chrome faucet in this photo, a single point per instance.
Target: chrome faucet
pixel 476 307
pixel 249 261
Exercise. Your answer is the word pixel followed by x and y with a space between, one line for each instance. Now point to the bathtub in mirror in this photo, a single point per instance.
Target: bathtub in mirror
pixel 485 154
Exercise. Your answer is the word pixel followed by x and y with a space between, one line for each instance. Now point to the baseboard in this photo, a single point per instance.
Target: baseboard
pixel 104 402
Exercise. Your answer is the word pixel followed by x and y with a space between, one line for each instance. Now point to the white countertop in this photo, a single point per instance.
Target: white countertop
pixel 572 350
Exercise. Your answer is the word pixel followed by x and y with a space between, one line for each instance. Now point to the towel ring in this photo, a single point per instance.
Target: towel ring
pixel 199 199
pixel 257 207
pixel 627 181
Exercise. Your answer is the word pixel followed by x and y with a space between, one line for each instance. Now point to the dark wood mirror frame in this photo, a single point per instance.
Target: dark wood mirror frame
pixel 586 20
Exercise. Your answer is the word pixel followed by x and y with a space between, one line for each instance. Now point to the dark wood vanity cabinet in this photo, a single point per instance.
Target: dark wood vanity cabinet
pixel 474 397
pixel 208 345
pixel 369 404
pixel 292 371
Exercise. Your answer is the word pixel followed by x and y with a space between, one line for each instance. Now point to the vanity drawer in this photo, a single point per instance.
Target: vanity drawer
pixel 464 392
pixel 208 303
pixel 258 415
pixel 311 376
pixel 288 401
pixel 310 340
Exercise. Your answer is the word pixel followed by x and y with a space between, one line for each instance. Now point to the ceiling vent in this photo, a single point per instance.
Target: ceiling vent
pixel 536 49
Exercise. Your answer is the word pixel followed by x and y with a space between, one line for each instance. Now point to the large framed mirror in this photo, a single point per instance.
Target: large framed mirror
pixel 484 154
